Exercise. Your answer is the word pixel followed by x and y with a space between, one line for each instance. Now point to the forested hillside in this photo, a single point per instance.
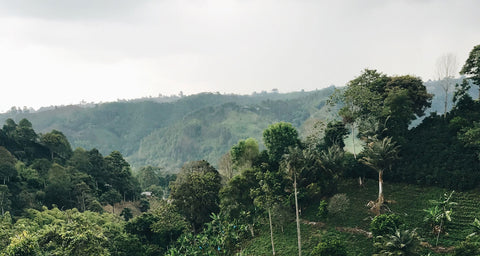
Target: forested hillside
pixel 410 190
pixel 167 132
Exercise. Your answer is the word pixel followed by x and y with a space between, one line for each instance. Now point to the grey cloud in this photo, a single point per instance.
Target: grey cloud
pixel 70 9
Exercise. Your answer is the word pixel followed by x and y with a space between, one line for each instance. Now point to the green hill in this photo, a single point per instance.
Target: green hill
pixel 167 132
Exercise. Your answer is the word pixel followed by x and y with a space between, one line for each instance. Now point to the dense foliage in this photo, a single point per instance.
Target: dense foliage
pixel 55 200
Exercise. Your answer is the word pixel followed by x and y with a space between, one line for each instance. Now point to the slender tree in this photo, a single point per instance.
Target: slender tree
pixel 293 162
pixel 446 69
pixel 269 193
pixel 7 165
pixel 4 199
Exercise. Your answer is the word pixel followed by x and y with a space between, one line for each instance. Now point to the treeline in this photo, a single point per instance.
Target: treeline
pixel 52 198
pixel 42 170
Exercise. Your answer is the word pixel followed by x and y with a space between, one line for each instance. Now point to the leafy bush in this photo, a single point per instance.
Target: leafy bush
pixel 330 247
pixel 126 214
pixel 144 205
pixel 401 242
pixel 339 203
pixel 385 224
pixel 322 209
pixel 467 248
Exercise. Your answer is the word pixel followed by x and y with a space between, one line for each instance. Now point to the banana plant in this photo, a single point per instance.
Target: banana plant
pixel 439 213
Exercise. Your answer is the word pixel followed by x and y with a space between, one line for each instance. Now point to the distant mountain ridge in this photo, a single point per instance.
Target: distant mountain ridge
pixel 153 131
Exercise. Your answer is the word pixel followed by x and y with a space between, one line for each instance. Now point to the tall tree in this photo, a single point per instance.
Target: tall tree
pixel 362 100
pixel 269 193
pixel 7 165
pixel 148 176
pixel 405 99
pixel 277 138
pixel 237 201
pixel 111 197
pixel 335 134
pixel 26 138
pixel 244 153
pixel 294 161
pixel 120 175
pixel 393 102
pixel 59 187
pixel 446 69
pixel 225 166
pixel 4 199
pixel 471 68
pixel 195 192
pixel 380 155
pixel 57 143
pixel 471 137
pixel 98 168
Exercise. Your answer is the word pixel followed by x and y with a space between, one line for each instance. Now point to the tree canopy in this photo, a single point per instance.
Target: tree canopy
pixel 195 192
pixel 471 68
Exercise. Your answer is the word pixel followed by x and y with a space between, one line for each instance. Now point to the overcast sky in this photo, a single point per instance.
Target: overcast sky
pixel 55 52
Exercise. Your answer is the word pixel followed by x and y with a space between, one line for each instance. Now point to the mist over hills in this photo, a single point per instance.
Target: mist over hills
pixel 168 131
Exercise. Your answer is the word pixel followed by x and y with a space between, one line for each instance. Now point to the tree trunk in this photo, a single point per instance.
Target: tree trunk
pixel 360 178
pixel 446 102
pixel 298 219
pixel 250 226
pixel 353 140
pixel 271 231
pixel 380 199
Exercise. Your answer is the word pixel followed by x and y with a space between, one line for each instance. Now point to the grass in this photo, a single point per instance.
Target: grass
pixel 406 200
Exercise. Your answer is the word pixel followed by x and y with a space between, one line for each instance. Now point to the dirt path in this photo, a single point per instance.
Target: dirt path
pixel 341 229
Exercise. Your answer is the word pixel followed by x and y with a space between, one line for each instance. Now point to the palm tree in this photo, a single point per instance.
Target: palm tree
pixel 379 155
pixel 332 160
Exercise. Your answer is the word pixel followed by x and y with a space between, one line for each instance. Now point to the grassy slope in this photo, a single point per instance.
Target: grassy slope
pixel 408 201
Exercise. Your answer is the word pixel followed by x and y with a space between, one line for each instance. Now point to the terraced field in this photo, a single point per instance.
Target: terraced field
pixel 406 200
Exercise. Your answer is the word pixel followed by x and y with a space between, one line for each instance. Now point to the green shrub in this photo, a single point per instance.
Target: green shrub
pixel 401 242
pixel 467 248
pixel 330 247
pixel 339 203
pixel 322 210
pixel 385 224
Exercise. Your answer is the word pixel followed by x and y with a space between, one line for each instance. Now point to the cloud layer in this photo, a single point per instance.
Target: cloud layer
pixel 61 52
